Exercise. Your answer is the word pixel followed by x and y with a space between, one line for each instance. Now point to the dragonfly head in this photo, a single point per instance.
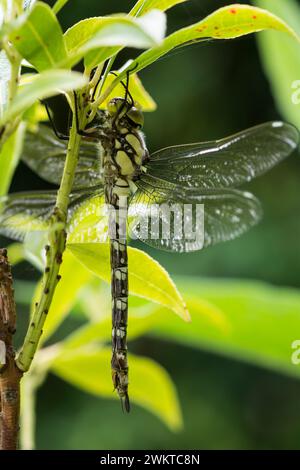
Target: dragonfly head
pixel 119 107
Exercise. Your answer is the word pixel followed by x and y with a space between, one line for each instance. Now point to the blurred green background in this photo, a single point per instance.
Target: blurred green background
pixel 204 92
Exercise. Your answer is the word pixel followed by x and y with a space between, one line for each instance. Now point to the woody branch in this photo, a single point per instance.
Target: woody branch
pixel 10 375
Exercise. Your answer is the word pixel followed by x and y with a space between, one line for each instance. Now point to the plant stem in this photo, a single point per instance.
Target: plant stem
pixel 54 252
pixel 27 434
pixel 31 382
pixel 104 95
pixel 10 375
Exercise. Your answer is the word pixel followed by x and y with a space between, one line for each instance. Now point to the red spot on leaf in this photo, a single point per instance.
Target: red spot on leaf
pixel 233 11
pixel 254 17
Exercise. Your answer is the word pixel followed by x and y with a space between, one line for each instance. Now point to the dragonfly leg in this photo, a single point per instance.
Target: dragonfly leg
pixel 58 134
pixel 126 87
pixel 88 132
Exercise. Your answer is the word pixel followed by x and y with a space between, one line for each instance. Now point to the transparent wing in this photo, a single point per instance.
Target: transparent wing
pixel 45 154
pixel 228 162
pixel 23 213
pixel 172 219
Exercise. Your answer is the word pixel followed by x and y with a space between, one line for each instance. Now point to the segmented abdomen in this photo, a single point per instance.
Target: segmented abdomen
pixel 119 287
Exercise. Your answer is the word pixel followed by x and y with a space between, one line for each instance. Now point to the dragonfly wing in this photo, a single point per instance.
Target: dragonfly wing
pixel 228 162
pixel 23 213
pixel 45 154
pixel 189 221
pixel 87 219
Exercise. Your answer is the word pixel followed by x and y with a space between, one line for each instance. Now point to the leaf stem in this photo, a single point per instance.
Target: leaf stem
pixel 104 95
pixel 27 416
pixel 54 253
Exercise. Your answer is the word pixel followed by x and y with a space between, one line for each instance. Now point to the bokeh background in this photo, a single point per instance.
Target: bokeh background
pixel 204 92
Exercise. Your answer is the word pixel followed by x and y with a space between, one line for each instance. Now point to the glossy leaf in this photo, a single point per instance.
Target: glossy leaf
pixel 150 385
pixel 16 253
pixel 59 4
pixel 39 39
pixel 226 23
pixel 95 34
pixel 74 276
pixel 9 158
pixel 42 86
pixel 281 59
pixel 143 6
pixel 147 278
pixel 138 92
pixel 257 323
pixel 250 321
pixel 141 318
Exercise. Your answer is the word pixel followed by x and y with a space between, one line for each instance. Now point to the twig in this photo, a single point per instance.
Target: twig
pixel 10 375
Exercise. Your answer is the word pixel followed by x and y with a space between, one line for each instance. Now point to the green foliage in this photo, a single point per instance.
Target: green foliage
pixel 59 4
pixel 143 6
pixel 138 92
pixel 39 39
pixel 226 23
pixel 156 286
pixel 256 322
pixel 65 293
pixel 9 158
pixel 42 86
pixel 151 386
pixel 247 320
pixel 250 321
pixel 281 59
pixel 121 31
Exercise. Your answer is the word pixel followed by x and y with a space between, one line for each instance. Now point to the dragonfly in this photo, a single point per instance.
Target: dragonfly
pixel 116 169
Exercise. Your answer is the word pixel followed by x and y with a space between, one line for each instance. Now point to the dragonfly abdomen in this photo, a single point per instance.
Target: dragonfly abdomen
pixel 117 197
pixel 119 284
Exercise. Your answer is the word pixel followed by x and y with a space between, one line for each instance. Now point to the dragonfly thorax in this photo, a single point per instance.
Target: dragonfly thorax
pixel 125 152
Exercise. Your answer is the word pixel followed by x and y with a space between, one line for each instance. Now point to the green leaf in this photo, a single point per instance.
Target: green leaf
pixel 74 276
pixel 9 158
pixel 15 253
pixel 281 60
pixel 147 278
pixel 42 86
pixel 257 323
pixel 39 39
pixel 143 6
pixel 59 5
pixel 141 319
pixel 119 31
pixel 150 385
pixel 138 92
pixel 226 23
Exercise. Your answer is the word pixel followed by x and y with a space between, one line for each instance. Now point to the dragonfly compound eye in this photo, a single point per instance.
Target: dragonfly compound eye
pixel 136 116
